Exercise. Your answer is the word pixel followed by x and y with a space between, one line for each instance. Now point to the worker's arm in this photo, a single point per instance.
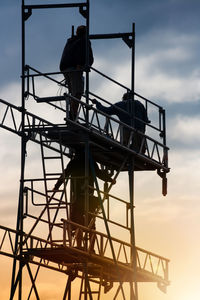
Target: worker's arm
pixel 111 110
pixel 118 109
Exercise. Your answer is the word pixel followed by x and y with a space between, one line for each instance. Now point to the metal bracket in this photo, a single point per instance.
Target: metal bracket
pixel 83 12
pixel 162 174
pixel 27 14
pixel 128 41
pixel 162 287
pixel 107 286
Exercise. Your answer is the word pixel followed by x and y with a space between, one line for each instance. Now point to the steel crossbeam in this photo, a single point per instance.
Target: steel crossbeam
pixel 150 266
pixel 45 236
pixel 10 119
pixel 99 124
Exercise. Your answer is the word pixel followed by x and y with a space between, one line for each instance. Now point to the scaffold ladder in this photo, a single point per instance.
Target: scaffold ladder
pixel 50 177
pixel 91 285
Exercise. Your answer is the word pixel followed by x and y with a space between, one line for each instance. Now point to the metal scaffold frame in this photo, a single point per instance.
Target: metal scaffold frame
pixel 103 261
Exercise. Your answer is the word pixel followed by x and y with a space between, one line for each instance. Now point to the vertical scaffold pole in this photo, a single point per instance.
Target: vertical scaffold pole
pixel 87 58
pixel 131 181
pixel 87 149
pixel 133 60
pixel 23 148
pixel 17 280
pixel 86 209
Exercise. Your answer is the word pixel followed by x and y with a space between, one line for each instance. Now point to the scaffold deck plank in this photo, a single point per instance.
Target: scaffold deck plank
pixel 104 150
pixel 112 271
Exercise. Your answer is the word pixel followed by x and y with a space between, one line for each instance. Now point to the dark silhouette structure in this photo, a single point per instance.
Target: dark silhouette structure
pixel 72 64
pixel 75 170
pixel 105 260
pixel 130 112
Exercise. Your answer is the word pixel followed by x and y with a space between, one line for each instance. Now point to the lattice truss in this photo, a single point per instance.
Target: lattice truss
pixel 108 258
pixel 99 124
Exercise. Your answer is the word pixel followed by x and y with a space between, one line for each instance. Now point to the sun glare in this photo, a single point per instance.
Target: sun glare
pixel 194 295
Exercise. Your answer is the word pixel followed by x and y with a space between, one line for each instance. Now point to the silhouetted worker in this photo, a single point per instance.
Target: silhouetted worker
pixel 121 110
pixel 76 170
pixel 72 64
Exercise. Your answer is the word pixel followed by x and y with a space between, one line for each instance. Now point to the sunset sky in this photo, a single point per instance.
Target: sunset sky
pixel 168 73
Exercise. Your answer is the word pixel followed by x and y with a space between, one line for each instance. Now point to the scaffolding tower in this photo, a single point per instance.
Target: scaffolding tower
pixel 108 264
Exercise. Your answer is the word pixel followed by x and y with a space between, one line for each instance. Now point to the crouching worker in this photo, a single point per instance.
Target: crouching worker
pixel 121 109
pixel 76 170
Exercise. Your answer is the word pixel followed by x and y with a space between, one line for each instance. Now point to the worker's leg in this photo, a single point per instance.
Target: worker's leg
pixel 137 142
pixel 92 237
pixel 77 89
pixel 76 216
pixel 94 207
pixel 125 137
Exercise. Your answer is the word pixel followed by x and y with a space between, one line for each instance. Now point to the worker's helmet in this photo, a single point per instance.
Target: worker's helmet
pixel 127 96
pixel 81 30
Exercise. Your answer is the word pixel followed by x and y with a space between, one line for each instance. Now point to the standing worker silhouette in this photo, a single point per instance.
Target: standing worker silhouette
pixel 72 64
pixel 76 170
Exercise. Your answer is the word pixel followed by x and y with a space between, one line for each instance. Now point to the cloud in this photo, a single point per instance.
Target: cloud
pixel 167 72
pixel 184 129
pixel 166 66
pixel 11 92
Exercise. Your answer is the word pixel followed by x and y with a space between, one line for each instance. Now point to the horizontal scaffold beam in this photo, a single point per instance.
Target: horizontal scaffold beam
pixel 62 5
pixel 101 129
pixel 60 255
pixel 10 119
